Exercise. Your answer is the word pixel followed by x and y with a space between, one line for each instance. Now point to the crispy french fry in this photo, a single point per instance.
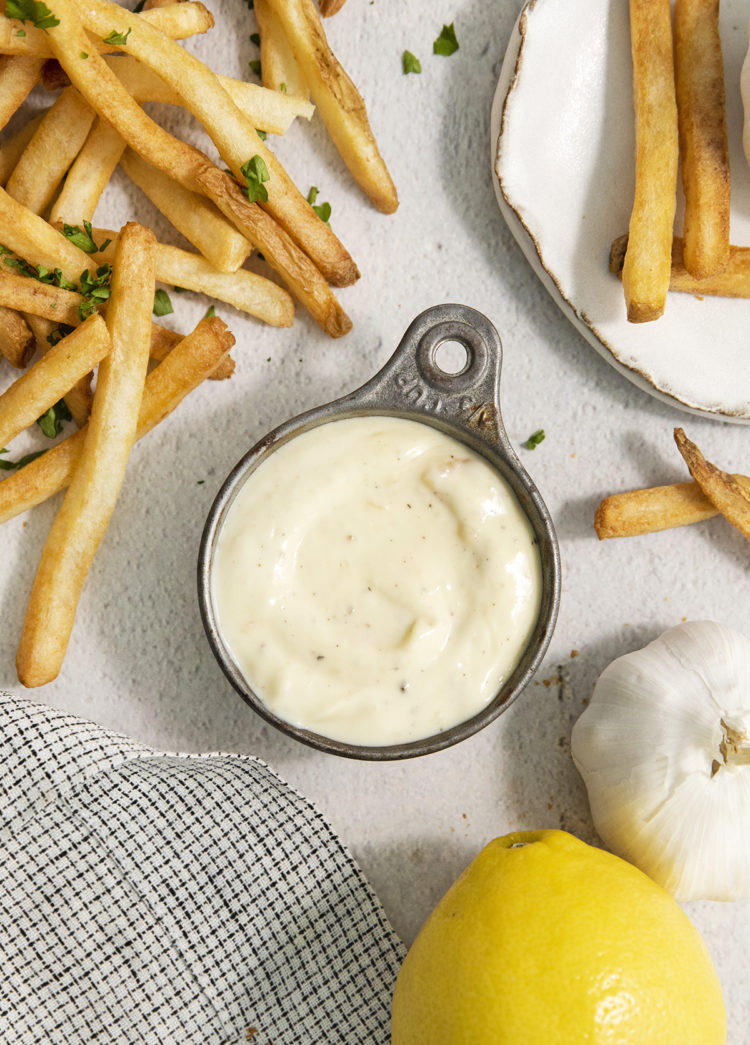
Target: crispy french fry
pixel 79 396
pixel 189 363
pixel 279 69
pixel 338 100
pixel 177 21
pixel 84 515
pixel 645 275
pixel 732 282
pixel 330 7
pixel 232 133
pixel 196 217
pixel 12 148
pixel 722 489
pixel 31 238
pixel 17 78
pixel 16 338
pixel 39 299
pixel 635 512
pixel 163 341
pixel 47 381
pixel 704 148
pixel 272 111
pixel 193 169
pixel 89 176
pixel 52 149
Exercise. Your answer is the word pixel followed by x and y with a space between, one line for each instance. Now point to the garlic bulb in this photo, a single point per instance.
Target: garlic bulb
pixel 664 751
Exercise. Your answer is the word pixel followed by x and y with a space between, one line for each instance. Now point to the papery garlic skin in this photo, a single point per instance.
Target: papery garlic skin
pixel 664 751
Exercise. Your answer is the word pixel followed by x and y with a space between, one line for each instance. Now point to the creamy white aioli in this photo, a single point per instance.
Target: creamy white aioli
pixel 375 581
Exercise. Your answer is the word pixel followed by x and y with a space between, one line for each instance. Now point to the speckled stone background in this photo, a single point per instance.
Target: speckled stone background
pixel 139 662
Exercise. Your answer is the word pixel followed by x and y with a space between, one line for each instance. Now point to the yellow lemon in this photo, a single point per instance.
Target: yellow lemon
pixel 545 940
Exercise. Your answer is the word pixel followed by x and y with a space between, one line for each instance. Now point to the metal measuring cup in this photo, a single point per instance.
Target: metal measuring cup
pixel 464 405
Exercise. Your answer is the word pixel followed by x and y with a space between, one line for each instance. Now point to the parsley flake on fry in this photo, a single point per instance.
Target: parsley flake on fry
pixel 410 63
pixel 117 39
pixel 51 421
pixel 446 43
pixel 162 303
pixel 255 173
pixel 34 11
pixel 83 238
pixel 323 210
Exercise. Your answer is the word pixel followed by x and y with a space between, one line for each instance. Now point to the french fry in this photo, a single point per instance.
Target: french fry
pixel 177 21
pixel 17 78
pixel 636 512
pixel 31 238
pixel 163 341
pixel 196 217
pixel 84 515
pixel 232 133
pixel 89 175
pixel 193 170
pixel 39 299
pixel 646 270
pixel 55 144
pixel 338 100
pixel 330 7
pixel 722 489
pixel 732 282
pixel 272 111
pixel 189 363
pixel 16 338
pixel 279 69
pixel 47 381
pixel 12 148
pixel 704 149
pixel 79 396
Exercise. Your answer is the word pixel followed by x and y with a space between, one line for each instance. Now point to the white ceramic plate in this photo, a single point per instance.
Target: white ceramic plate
pixel 563 123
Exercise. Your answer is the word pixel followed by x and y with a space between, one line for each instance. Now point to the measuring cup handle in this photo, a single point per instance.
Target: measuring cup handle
pixel 413 380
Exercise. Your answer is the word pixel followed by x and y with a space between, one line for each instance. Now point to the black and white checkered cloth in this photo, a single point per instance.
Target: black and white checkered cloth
pixel 157 898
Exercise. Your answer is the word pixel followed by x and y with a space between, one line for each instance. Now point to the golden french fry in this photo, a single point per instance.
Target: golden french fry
pixel 646 270
pixel 17 78
pixel 704 148
pixel 338 100
pixel 12 148
pixel 189 363
pixel 84 515
pixel 39 299
pixel 635 512
pixel 31 238
pixel 732 282
pixel 89 175
pixel 196 217
pixel 47 381
pixel 177 21
pixel 722 489
pixel 163 341
pixel 79 396
pixel 52 149
pixel 279 69
pixel 231 131
pixel 330 7
pixel 16 338
pixel 192 169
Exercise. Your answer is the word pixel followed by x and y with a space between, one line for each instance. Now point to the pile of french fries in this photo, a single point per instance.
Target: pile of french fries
pixel 712 492
pixel 680 115
pixel 81 298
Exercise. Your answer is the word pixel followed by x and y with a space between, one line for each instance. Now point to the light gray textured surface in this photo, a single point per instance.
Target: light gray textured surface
pixel 138 661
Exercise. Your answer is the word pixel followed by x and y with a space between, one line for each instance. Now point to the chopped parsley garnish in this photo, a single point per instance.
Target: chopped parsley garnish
pixel 255 39
pixel 83 239
pixel 21 32
pixel 282 88
pixel 446 43
pixel 40 273
pixel 8 466
pixel 118 39
pixel 534 440
pixel 83 54
pixel 31 11
pixel 255 66
pixel 262 135
pixel 255 173
pixel 210 312
pixel 162 304
pixel 411 63
pixel 323 210
pixel 51 422
pixel 59 333
pixel 95 290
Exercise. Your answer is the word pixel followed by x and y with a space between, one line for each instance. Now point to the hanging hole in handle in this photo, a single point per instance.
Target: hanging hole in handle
pixel 448 345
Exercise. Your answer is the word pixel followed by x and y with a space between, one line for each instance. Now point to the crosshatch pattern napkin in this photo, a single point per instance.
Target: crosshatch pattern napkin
pixel 157 898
